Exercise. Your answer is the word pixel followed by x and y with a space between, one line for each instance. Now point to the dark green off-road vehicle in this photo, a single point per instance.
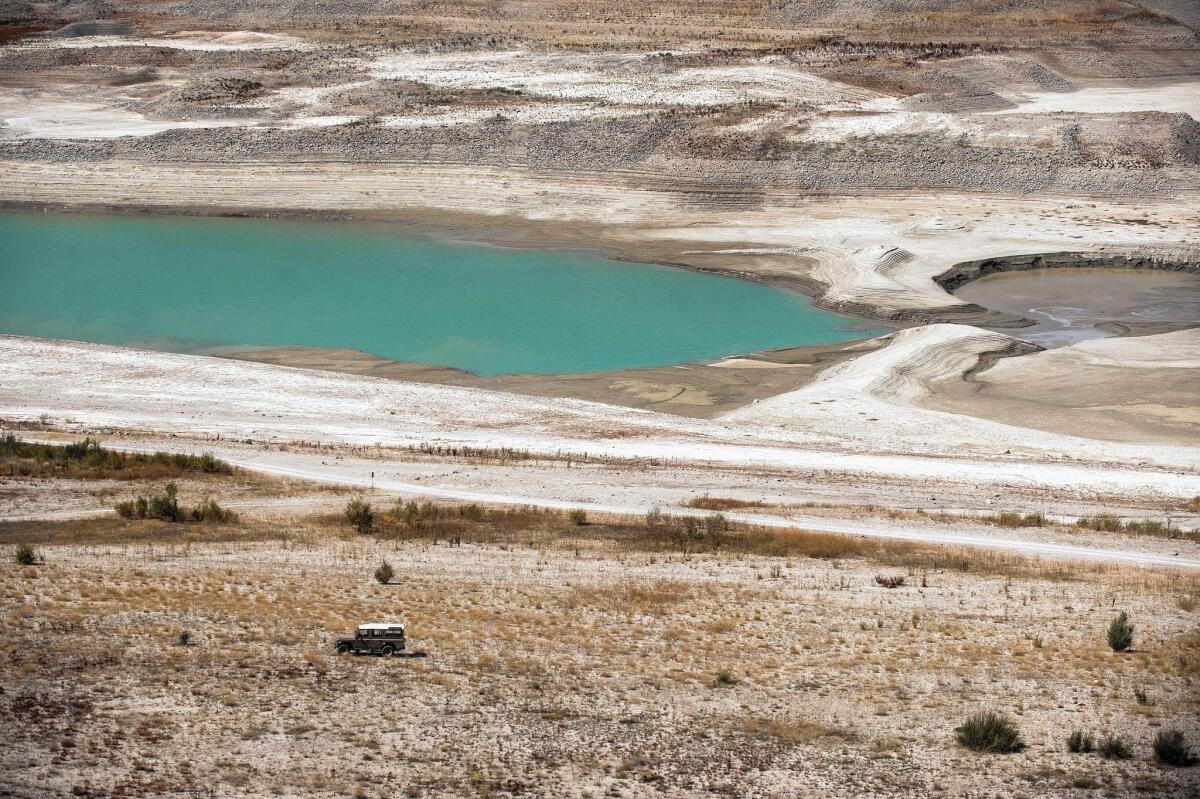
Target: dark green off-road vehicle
pixel 379 638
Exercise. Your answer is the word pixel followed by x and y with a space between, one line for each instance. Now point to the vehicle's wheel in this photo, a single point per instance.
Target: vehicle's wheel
pixel 388 650
pixel 343 649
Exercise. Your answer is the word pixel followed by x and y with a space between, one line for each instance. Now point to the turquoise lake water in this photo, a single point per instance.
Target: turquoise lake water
pixel 191 285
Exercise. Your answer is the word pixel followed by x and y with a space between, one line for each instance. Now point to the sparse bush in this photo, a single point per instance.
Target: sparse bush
pixel 989 732
pixel 722 503
pixel 725 677
pixel 1171 749
pixel 1104 523
pixel 654 517
pixel 415 514
pixel 716 524
pixel 165 506
pixel 578 517
pixel 25 555
pixel 1113 747
pixel 359 514
pixel 185 638
pixel 471 512
pixel 1186 603
pixel 1141 696
pixel 385 573
pixel 210 512
pixel 1010 519
pixel 1120 633
pixel 87 459
pixel 1080 741
pixel 890 581
pixel 1108 523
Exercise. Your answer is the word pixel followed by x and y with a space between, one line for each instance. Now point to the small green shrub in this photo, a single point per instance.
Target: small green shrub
pixel 1171 749
pixel 385 573
pixel 578 517
pixel 210 512
pixel 165 506
pixel 654 517
pixel 725 677
pixel 414 514
pixel 1120 633
pixel 1080 741
pixel 1113 747
pixel 359 514
pixel 25 555
pixel 989 732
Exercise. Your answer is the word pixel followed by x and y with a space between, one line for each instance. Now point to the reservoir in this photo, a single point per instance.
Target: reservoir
pixel 203 285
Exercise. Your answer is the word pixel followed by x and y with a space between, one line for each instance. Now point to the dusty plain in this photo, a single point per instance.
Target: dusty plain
pixel 561 662
pixel 872 154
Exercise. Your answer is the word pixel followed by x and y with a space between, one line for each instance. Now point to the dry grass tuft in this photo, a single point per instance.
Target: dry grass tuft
pixel 642 596
pixel 795 731
pixel 722 503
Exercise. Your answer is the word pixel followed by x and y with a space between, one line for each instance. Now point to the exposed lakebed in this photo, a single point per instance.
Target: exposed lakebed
pixel 1066 305
pixel 202 284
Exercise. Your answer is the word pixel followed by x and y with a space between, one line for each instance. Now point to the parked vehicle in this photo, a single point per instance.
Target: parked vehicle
pixel 377 638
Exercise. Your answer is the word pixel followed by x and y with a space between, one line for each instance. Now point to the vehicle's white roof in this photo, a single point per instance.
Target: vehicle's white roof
pixel 381 625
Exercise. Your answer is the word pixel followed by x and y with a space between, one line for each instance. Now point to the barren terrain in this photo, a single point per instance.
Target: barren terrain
pixel 655 582
pixel 562 663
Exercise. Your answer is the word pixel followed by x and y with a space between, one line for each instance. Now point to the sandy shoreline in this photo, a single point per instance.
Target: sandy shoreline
pixel 701 390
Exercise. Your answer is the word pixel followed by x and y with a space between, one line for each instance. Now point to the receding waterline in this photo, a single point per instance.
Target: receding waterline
pixel 197 284
pixel 1068 305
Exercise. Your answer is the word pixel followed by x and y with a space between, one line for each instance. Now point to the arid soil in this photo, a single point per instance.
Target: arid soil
pixel 571 664
pixel 873 154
